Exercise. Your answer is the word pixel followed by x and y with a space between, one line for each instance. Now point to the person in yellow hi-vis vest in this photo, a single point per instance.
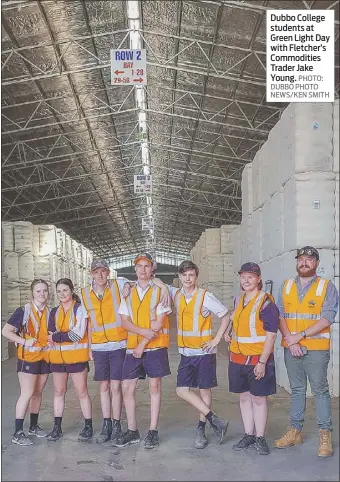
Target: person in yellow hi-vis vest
pixel 69 356
pixel 27 327
pixel 198 346
pixel 146 320
pixel 101 299
pixel 308 305
pixel 251 369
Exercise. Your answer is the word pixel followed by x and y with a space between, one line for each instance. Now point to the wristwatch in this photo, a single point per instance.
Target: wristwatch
pixel 303 334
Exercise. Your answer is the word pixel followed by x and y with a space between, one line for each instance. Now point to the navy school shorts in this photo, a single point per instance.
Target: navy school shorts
pixel 242 379
pixel 33 368
pixel 108 365
pixel 69 367
pixel 197 371
pixel 154 364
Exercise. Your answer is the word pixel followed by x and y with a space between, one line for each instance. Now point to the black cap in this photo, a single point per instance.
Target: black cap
pixel 308 251
pixel 250 268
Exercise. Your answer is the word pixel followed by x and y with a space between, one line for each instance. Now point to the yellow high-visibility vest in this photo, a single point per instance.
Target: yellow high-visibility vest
pixel 34 326
pixel 248 335
pixel 67 352
pixel 142 313
pixel 301 315
pixel 103 314
pixel 193 329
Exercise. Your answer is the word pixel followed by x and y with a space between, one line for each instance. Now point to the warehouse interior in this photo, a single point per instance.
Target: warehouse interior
pixel 234 179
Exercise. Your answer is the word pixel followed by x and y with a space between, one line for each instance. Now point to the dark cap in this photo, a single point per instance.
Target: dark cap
pixel 140 256
pixel 308 251
pixel 250 268
pixel 99 263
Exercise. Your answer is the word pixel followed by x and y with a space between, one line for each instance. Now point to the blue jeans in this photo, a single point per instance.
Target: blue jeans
pixel 314 366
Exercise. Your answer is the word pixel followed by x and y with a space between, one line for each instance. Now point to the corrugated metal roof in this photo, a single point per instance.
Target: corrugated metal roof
pixel 71 143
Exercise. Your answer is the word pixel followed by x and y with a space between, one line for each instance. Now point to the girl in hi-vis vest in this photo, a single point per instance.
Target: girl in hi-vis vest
pixel 27 328
pixel 68 338
pixel 251 370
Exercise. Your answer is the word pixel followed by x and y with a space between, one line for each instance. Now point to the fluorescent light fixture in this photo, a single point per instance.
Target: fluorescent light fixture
pixel 142 121
pixel 140 98
pixel 134 20
pixel 135 41
pixel 132 9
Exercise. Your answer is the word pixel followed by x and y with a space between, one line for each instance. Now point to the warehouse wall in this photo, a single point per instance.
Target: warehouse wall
pixel 29 252
pixel 290 198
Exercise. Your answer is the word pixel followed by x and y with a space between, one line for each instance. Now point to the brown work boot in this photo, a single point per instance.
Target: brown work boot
pixel 325 444
pixel 291 437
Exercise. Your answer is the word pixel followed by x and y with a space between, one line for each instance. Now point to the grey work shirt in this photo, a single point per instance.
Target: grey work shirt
pixel 330 304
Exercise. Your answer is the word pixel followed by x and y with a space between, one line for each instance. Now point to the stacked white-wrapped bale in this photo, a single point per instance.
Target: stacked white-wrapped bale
pixel 295 202
pixel 10 268
pixel 23 244
pixel 213 254
pixel 335 327
pixel 176 282
pixel 236 258
pixel 60 256
pixel 4 307
pixel 44 252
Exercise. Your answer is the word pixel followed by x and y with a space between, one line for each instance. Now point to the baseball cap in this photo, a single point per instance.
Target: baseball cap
pixel 308 251
pixel 140 256
pixel 250 268
pixel 99 263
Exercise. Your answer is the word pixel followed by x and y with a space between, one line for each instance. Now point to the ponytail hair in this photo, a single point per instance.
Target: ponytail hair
pixel 76 298
pixel 68 282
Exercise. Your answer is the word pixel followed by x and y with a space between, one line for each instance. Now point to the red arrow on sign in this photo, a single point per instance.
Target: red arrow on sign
pixel 117 72
pixel 138 80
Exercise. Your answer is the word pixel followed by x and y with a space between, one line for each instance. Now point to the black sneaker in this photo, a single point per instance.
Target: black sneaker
pixel 245 442
pixel 128 438
pixel 105 433
pixel 201 440
pixel 20 438
pixel 116 432
pixel 86 434
pixel 151 440
pixel 261 446
pixel 55 435
pixel 220 427
pixel 37 431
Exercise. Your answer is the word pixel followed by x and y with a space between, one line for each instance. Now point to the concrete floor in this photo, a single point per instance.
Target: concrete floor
pixel 175 459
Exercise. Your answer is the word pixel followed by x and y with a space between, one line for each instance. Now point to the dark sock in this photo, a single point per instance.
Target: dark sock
pixel 115 420
pixel 19 424
pixel 57 421
pixel 88 422
pixel 209 416
pixel 107 419
pixel 201 424
pixel 34 419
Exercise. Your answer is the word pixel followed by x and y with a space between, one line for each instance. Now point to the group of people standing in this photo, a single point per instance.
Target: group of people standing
pixel 124 327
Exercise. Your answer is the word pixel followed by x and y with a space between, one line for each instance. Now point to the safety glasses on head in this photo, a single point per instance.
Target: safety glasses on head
pixel 307 251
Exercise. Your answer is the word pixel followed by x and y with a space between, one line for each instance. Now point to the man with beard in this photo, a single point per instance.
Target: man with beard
pixel 308 305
